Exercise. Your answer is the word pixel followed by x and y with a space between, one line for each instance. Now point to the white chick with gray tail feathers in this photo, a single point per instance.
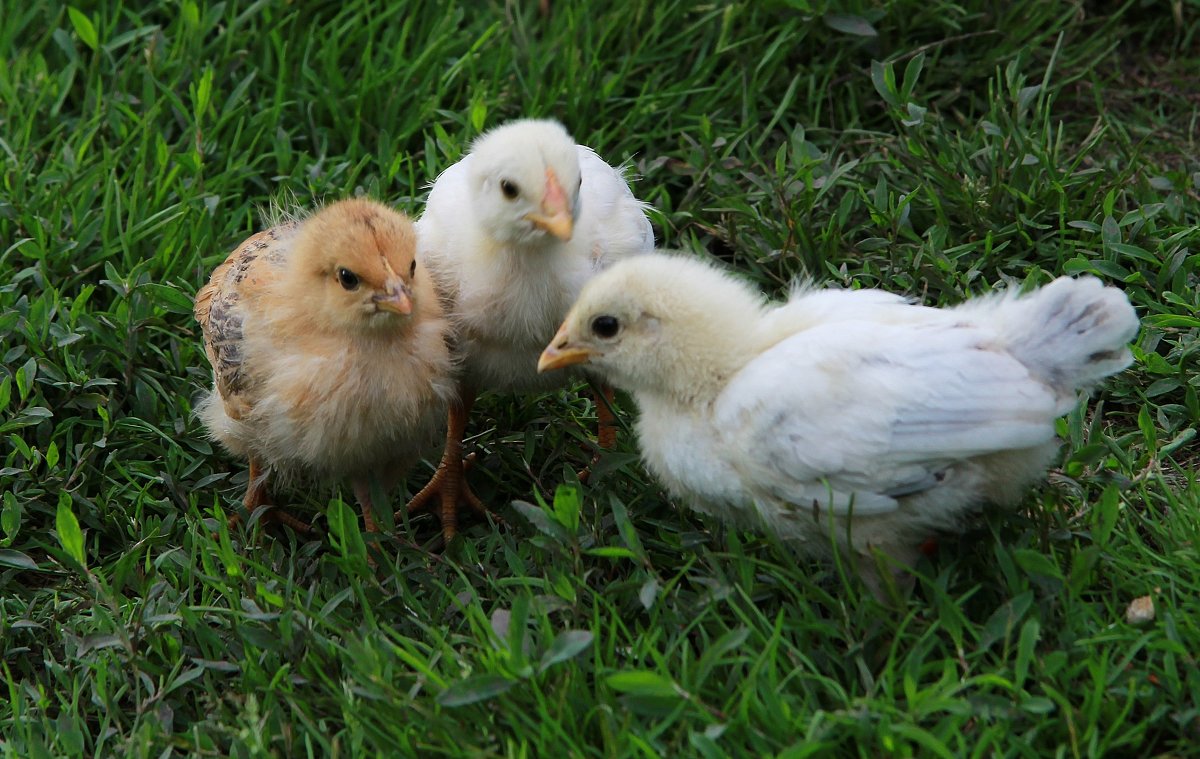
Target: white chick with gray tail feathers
pixel 511 233
pixel 847 420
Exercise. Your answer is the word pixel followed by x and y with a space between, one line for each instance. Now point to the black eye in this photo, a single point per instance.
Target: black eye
pixel 348 278
pixel 412 269
pixel 605 326
pixel 509 189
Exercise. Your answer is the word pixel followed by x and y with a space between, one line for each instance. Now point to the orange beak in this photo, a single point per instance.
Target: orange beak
pixel 395 299
pixel 555 216
pixel 560 353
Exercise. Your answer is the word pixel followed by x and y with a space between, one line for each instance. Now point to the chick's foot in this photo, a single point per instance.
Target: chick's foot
pixel 256 499
pixel 449 489
pixel 446 493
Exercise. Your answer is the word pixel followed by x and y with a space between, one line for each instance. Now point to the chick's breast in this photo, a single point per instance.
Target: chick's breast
pixel 340 408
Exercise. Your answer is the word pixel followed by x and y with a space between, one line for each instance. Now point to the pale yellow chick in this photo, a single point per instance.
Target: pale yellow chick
pixel 328 347
pixel 842 419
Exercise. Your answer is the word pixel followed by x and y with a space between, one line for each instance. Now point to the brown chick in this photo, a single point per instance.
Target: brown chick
pixel 328 348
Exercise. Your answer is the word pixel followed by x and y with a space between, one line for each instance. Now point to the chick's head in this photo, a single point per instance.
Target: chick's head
pixel 660 323
pixel 525 182
pixel 353 267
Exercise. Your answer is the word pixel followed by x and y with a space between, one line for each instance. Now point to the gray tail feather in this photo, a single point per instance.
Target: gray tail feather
pixel 1072 333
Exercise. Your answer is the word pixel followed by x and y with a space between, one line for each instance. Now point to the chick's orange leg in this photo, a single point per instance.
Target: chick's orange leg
pixel 606 420
pixel 256 487
pixel 449 485
pixel 606 427
pixel 256 498
pixel 362 492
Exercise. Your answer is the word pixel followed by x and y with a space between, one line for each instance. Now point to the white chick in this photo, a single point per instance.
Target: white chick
pixel 511 233
pixel 846 419
pixel 329 351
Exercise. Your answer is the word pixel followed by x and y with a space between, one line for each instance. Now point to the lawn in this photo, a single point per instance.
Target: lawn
pixel 934 148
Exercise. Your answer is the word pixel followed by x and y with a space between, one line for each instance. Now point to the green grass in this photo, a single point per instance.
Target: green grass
pixel 958 147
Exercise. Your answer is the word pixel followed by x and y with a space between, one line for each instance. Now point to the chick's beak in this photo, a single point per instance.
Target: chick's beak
pixel 555 216
pixel 395 299
pixel 560 353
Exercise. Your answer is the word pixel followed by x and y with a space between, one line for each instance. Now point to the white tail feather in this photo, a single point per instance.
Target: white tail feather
pixel 1072 333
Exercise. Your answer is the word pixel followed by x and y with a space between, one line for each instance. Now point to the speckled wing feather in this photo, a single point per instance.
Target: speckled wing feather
pixel 220 309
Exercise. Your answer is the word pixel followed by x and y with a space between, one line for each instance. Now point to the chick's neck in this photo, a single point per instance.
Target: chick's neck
pixel 695 372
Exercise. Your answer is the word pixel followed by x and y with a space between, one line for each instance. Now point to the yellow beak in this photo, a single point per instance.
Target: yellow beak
pixel 396 299
pixel 560 353
pixel 555 216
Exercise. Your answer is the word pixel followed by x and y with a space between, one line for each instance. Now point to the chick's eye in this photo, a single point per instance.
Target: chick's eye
pixel 605 326
pixel 412 269
pixel 509 189
pixel 348 278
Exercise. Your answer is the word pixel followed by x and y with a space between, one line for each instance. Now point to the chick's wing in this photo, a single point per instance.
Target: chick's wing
pixel 221 308
pixel 854 415
pixel 613 218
